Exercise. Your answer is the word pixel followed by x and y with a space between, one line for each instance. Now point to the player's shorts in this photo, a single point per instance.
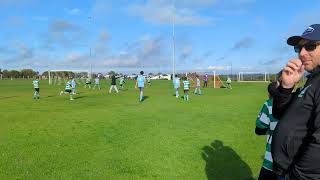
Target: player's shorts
pixel 141 88
pixel 37 89
pixel 88 82
pixel 68 90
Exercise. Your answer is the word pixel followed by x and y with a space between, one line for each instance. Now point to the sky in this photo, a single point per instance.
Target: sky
pixel 132 35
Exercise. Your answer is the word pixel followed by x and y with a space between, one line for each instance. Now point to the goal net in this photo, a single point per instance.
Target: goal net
pixel 217 82
pixel 58 77
pixel 213 78
pixel 253 77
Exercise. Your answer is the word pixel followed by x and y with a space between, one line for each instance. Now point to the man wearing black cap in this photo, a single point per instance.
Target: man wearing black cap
pixel 296 139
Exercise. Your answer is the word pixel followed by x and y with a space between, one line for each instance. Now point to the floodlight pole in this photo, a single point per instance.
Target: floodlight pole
pixel 49 76
pixel 174 42
pixel 231 70
pixel 90 75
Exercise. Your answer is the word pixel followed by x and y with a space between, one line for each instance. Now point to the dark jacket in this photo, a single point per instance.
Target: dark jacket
pixel 113 80
pixel 296 139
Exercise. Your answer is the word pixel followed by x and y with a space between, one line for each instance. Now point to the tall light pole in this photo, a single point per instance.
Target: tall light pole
pixel 174 42
pixel 89 20
pixel 231 70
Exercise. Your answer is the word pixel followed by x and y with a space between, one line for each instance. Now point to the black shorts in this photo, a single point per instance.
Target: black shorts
pixel 266 174
pixel 88 82
pixel 68 90
pixel 37 89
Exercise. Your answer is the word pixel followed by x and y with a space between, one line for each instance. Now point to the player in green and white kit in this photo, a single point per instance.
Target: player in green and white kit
pixel 228 83
pixel 68 89
pixel 186 87
pixel 265 125
pixel 122 82
pixel 35 83
pixel 149 81
pixel 88 83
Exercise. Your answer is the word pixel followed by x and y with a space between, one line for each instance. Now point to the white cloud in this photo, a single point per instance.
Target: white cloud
pixel 104 36
pixel 163 12
pixel 40 18
pixel 74 11
pixel 219 68
pixel 101 7
pixel 244 43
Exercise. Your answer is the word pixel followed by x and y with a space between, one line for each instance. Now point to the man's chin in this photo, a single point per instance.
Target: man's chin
pixel 308 69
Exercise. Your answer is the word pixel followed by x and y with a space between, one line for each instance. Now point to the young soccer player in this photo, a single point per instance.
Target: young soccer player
pixel 140 84
pixel 122 82
pixel 73 85
pixel 36 94
pixel 68 90
pixel 97 83
pixel 265 125
pixel 176 84
pixel 186 87
pixel 113 84
pixel 197 90
pixel 88 83
pixel 149 81
pixel 228 83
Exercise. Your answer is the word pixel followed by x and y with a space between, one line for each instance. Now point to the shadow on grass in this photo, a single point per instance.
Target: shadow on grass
pixel 222 162
pixel 8 97
pixel 79 97
pixel 145 98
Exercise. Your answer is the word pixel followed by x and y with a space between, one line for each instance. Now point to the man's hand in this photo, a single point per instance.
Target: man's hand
pixel 292 73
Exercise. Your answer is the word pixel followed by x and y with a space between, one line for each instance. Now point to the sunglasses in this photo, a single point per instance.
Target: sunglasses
pixel 308 47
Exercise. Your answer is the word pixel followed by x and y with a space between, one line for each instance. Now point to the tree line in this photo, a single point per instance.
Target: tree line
pixel 24 73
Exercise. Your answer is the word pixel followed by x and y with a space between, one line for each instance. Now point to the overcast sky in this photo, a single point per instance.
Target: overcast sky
pixel 134 35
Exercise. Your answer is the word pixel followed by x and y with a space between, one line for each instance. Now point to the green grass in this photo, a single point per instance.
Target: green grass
pixel 113 136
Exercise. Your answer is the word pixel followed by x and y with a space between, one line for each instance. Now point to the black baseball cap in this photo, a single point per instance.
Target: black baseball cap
pixel 312 33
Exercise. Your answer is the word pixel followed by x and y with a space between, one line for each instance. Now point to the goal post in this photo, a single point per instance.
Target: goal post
pixel 51 73
pixel 217 82
pixel 253 77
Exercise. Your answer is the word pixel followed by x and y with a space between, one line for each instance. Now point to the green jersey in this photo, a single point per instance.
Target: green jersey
pixel 265 120
pixel 186 85
pixel 35 83
pixel 121 81
pixel 68 85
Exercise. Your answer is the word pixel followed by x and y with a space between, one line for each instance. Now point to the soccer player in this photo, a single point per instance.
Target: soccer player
pixel 140 84
pixel 113 84
pixel 229 83
pixel 186 87
pixel 122 82
pixel 35 83
pixel 97 83
pixel 68 90
pixel 73 85
pixel 205 80
pixel 88 83
pixel 197 90
pixel 265 125
pixel 176 84
pixel 149 81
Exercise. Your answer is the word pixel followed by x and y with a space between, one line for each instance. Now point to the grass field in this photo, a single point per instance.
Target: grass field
pixel 113 136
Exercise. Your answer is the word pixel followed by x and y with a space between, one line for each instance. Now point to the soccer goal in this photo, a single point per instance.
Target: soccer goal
pixel 217 83
pixel 253 77
pixel 58 77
